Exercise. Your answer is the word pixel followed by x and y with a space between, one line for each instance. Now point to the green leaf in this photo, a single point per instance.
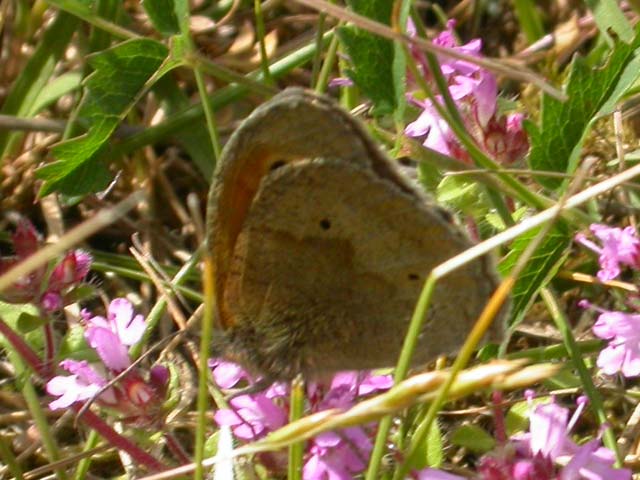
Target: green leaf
pixel 556 144
pixel 28 322
pixel 609 16
pixel 564 379
pixel 540 269
pixel 432 450
pixel 371 56
pixel 435 448
pixel 75 346
pixel 121 76
pixel 211 444
pixel 473 438
pixel 517 418
pixel 25 91
pixel 110 11
pixel 80 293
pixel 399 68
pixel 162 16
pixel 11 314
pixel 462 194
pixel 65 83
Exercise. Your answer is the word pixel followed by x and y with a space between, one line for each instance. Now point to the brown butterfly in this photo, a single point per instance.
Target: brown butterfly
pixel 320 248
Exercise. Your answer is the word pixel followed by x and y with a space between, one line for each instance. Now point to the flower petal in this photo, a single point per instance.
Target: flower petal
pixel 108 346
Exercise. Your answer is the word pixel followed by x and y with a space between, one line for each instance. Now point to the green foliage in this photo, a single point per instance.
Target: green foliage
pixel 28 87
pixel 65 83
pixel 371 56
pixel 435 446
pixel 517 418
pixel 461 194
pixel 557 142
pixel 75 346
pixel 609 16
pixel 473 438
pixel 431 451
pixel 121 75
pixel 28 322
pixel 162 16
pixel 539 270
pixel 23 315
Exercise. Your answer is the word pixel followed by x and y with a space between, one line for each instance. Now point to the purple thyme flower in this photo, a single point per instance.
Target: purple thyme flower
pixel 541 453
pixel 622 330
pixel 545 452
pixel 112 336
pixel 329 455
pixel 138 395
pixel 620 246
pixel 83 383
pixel 475 92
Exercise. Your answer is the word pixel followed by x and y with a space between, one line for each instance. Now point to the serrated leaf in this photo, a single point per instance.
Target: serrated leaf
pixel 121 75
pixel 435 448
pixel 539 270
pixel 371 56
pixel 473 438
pixel 556 144
pixel 461 194
pixel 432 453
pixel 71 179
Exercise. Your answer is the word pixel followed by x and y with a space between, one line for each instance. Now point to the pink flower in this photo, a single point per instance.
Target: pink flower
pixel 47 291
pixel 541 453
pixel 475 92
pixel 226 374
pixel 619 247
pixel 435 474
pixel 83 383
pixel 329 455
pixel 252 416
pixel 138 395
pixel 622 354
pixel 112 336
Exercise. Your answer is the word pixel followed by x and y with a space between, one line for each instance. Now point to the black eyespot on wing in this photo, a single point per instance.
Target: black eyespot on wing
pixel 413 277
pixel 325 224
pixel 276 165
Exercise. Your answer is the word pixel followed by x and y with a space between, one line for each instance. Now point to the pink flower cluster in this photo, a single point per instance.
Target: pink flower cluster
pixel 620 246
pixel 330 455
pixel 475 93
pixel 545 452
pixel 47 286
pixel 138 397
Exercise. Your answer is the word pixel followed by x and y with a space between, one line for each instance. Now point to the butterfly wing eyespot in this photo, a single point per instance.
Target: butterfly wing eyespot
pixel 276 164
